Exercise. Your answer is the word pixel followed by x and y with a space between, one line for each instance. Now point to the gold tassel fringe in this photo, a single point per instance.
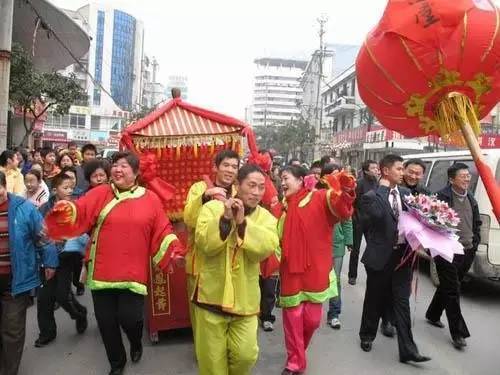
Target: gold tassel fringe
pixel 456 109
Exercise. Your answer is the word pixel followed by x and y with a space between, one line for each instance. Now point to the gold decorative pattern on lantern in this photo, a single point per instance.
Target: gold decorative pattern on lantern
pixel 416 104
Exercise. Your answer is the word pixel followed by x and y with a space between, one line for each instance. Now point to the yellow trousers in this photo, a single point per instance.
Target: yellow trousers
pixel 225 345
pixel 191 285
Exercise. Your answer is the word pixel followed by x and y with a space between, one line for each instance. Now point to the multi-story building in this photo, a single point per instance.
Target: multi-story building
pixel 354 133
pixel 277 91
pixel 180 82
pixel 110 74
pixel 153 92
pixel 321 69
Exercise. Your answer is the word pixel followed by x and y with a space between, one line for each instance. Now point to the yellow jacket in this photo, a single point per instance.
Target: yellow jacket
pixel 15 181
pixel 229 270
pixel 191 212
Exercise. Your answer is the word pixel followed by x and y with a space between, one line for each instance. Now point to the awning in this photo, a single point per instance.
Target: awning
pixel 47 33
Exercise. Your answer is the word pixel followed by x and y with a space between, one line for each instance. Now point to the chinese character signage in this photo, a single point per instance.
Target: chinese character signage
pixel 160 292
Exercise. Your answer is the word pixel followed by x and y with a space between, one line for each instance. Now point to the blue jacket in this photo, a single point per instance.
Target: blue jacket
pixel 25 226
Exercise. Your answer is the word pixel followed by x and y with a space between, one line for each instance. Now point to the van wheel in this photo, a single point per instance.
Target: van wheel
pixel 433 272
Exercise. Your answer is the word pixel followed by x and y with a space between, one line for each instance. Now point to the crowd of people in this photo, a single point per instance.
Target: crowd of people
pixel 66 223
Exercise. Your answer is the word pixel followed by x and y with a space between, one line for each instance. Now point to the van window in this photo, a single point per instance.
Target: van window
pixel 428 165
pixel 439 175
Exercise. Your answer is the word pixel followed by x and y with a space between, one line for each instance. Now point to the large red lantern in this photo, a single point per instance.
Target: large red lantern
pixel 431 67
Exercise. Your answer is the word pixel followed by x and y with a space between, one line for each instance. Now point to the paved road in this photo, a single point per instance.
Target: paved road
pixel 332 352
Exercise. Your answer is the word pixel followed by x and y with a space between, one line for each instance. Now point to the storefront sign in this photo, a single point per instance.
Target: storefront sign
pixel 79 110
pixel 489 141
pixel 352 136
pixel 54 136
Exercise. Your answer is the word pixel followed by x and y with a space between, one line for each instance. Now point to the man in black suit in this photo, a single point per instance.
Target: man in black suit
pixel 387 280
pixel 368 182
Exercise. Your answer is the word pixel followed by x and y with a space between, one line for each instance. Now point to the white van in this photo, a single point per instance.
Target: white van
pixel 487 261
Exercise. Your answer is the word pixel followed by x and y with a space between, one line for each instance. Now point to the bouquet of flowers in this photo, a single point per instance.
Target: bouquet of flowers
pixel 430 224
pixel 432 212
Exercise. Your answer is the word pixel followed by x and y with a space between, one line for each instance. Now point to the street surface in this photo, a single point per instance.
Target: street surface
pixel 331 352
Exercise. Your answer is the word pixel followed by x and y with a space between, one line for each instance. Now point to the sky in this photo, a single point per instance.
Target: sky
pixel 215 42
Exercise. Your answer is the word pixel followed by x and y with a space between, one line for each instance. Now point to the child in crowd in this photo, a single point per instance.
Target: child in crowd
pixel 35 191
pixel 50 168
pixel 58 289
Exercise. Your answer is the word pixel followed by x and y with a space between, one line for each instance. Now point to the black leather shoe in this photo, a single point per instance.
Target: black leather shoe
pixel 388 329
pixel 435 323
pixel 117 371
pixel 41 342
pixel 415 358
pixel 366 346
pixel 352 281
pixel 136 354
pixel 459 342
pixel 290 372
pixel 82 323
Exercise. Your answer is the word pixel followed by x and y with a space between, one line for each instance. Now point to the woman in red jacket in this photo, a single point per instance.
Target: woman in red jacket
pixel 306 262
pixel 128 227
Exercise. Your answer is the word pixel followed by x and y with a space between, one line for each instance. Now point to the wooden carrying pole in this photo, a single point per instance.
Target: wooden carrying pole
pixel 484 171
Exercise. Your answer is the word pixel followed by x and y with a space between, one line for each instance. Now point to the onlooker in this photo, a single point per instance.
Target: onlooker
pixel 9 164
pixel 19 219
pixel 58 289
pixel 71 173
pixel 316 170
pixel 39 167
pixel 24 162
pixel 37 156
pixel 96 173
pixel 64 160
pixel 35 191
pixel 50 169
pixel 447 295
pixel 368 182
pixel 74 153
pixel 342 238
pixel 89 153
pixel 295 161
pixel 413 176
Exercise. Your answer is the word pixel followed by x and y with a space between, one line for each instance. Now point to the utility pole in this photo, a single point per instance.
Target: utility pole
pixel 153 91
pixel 6 20
pixel 319 103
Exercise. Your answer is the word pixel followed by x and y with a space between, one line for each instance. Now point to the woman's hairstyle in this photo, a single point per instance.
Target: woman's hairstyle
pixel 131 159
pixel 35 173
pixel 295 170
pixel 61 157
pixel 90 167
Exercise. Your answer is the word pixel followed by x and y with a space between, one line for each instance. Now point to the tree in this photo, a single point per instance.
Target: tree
pixel 35 92
pixel 294 138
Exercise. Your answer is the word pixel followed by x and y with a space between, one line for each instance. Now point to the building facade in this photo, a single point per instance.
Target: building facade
pixel 277 91
pixel 110 74
pixel 153 92
pixel 354 133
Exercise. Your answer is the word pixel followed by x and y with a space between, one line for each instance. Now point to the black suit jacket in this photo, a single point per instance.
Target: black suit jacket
pixel 380 226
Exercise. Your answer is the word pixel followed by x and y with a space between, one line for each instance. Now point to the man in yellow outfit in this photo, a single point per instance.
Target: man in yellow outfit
pixel 226 165
pixel 232 238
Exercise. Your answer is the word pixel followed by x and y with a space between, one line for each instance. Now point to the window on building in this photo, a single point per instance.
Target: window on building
pixel 95 122
pixel 353 87
pixel 76 121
